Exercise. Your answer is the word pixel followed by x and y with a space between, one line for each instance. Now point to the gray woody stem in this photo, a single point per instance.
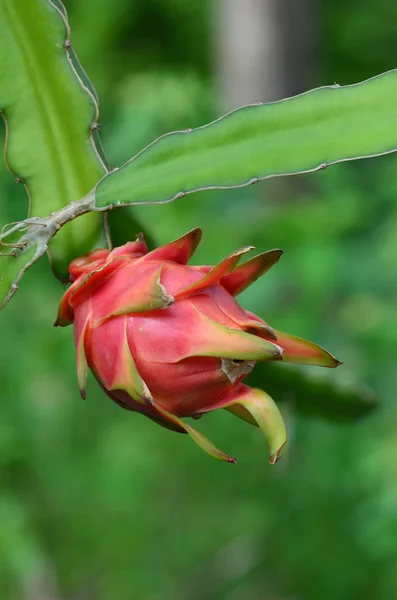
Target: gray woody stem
pixel 39 230
pixel 36 234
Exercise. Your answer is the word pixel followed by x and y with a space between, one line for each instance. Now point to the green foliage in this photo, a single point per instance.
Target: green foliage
pixel 305 133
pixel 49 112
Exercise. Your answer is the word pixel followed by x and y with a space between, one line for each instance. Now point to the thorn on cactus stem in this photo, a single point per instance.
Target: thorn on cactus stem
pixel 21 245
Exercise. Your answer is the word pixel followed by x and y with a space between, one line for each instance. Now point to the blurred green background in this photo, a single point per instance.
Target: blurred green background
pixel 100 504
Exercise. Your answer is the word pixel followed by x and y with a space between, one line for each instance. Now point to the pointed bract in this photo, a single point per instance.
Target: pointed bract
pixel 65 312
pixel 213 339
pixel 263 410
pixel 242 276
pixel 303 352
pixel 81 360
pixel 178 251
pixel 85 287
pixel 214 275
pixel 200 439
pixel 142 291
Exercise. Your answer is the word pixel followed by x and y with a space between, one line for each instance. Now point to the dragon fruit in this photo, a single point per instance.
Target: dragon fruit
pixel 169 340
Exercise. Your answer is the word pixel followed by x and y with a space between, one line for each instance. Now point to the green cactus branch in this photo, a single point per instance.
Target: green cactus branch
pixel 302 134
pixel 51 113
pixel 84 82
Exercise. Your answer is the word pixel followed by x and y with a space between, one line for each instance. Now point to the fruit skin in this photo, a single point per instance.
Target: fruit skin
pixel 169 340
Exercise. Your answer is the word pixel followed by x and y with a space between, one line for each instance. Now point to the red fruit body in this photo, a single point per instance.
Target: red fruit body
pixel 169 340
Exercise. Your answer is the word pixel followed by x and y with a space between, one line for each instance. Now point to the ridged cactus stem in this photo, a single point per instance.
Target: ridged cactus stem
pixel 51 142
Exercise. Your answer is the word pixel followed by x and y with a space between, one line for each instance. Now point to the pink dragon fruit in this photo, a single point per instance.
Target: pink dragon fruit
pixel 169 340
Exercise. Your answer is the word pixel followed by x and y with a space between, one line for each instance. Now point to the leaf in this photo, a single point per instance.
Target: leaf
pixel 50 114
pixel 298 135
pixel 313 392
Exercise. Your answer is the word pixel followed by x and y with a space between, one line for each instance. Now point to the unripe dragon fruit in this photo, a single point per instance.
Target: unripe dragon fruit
pixel 170 341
